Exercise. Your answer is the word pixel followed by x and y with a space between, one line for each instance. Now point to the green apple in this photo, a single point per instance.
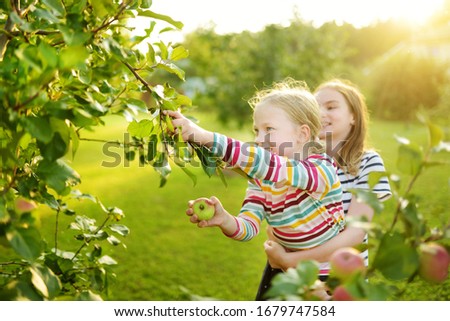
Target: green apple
pixel 203 210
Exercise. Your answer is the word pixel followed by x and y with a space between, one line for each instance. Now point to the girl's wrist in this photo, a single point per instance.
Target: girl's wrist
pixel 289 260
pixel 207 138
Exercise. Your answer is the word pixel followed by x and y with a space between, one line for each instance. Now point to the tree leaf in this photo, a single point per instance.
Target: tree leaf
pixel 162 166
pixel 113 240
pixel 178 53
pixel 57 174
pixel 395 259
pixel 163 50
pixel 369 198
pixel 46 15
pixel 56 6
pixel 436 134
pixel 151 55
pixel 49 54
pixel 308 270
pixel 119 229
pixel 374 178
pixel 151 14
pixel 152 147
pixel 25 241
pixel 75 140
pixel 55 149
pixel 412 219
pixel 409 159
pixel 88 295
pixel 207 159
pixel 107 260
pixel 135 105
pixel 45 281
pixel 172 68
pixel 219 173
pixel 38 127
pixel 141 129
pixel 71 57
pixel 188 173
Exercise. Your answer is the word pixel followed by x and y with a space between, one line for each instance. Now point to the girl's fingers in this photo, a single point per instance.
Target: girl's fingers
pixel 173 113
pixel 194 219
pixel 267 245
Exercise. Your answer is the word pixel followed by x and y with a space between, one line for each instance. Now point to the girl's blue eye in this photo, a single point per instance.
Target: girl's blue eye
pixel 269 129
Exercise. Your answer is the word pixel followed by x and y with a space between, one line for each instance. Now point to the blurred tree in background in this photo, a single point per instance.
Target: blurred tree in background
pixel 400 68
pixel 404 83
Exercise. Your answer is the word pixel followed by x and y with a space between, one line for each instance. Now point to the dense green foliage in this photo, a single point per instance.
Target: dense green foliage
pixel 64 66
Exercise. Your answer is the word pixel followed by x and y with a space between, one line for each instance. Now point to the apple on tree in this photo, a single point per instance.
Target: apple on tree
pixel 346 262
pixel 341 293
pixel 434 262
pixel 24 205
pixel 203 210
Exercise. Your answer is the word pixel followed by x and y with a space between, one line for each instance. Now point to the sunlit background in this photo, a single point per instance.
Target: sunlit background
pixel 253 15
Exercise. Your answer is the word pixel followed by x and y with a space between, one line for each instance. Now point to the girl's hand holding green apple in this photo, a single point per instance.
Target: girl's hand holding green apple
pixel 207 212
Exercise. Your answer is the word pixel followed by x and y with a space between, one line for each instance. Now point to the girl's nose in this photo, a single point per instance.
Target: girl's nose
pixel 259 138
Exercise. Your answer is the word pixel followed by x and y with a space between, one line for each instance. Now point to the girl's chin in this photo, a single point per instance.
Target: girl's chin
pixel 324 133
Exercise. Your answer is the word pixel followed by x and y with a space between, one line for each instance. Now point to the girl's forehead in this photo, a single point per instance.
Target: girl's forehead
pixel 269 112
pixel 266 108
pixel 328 93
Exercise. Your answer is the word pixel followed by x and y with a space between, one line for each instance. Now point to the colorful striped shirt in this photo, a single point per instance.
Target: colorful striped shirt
pixel 301 200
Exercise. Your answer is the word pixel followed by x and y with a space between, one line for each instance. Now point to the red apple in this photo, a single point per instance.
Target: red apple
pixel 340 293
pixel 434 262
pixel 346 262
pixel 24 205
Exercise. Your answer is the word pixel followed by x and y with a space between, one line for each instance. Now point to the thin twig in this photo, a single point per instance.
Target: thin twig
pixel 88 241
pixel 118 143
pixel 107 22
pixel 138 77
pixel 409 188
pixel 57 228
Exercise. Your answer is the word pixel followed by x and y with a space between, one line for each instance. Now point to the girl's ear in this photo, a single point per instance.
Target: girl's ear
pixel 304 134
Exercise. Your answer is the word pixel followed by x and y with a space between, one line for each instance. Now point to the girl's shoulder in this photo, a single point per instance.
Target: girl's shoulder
pixel 320 157
pixel 370 158
pixel 370 161
pixel 370 155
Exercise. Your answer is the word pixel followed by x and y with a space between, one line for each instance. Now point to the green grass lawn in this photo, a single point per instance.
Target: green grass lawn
pixel 165 252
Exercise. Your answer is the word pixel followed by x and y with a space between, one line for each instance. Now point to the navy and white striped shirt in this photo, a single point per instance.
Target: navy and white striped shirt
pixel 370 162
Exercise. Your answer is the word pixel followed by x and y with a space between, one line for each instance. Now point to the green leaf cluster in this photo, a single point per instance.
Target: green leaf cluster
pixel 64 66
